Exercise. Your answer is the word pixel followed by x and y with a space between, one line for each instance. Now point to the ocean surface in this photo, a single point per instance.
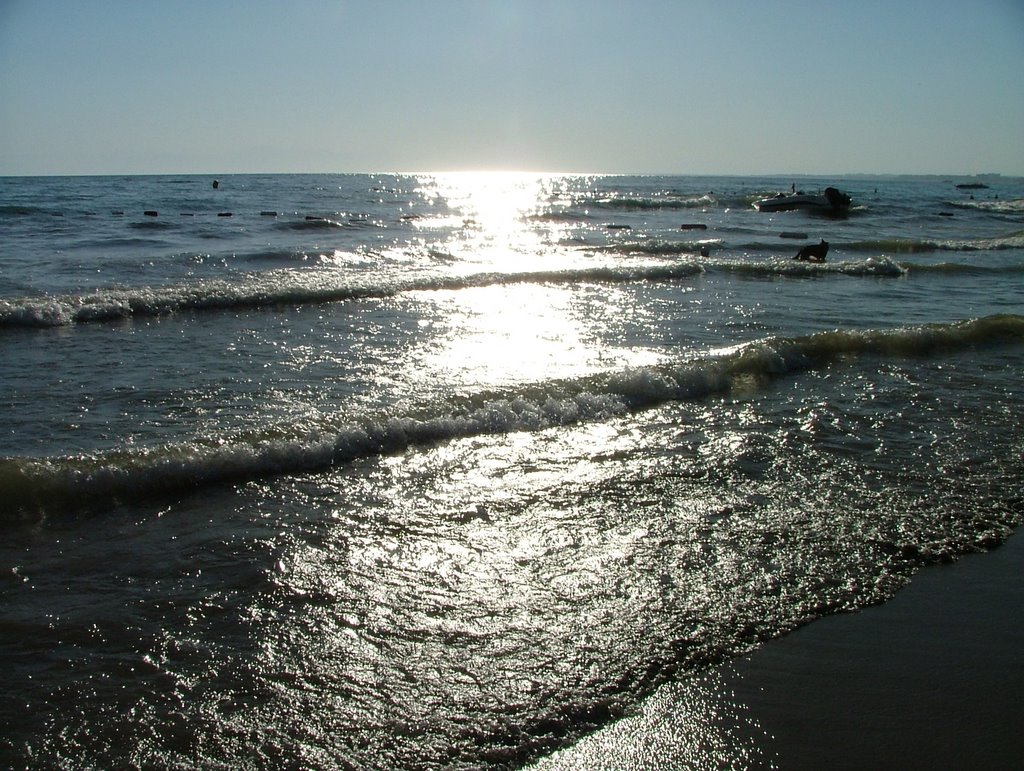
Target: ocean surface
pixel 448 470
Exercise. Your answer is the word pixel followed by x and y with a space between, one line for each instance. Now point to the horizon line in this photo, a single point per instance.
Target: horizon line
pixel 522 172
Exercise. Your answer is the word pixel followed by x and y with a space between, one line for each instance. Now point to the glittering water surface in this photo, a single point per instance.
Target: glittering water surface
pixel 453 473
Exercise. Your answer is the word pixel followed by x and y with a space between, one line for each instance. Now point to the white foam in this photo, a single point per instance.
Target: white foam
pixel 40 484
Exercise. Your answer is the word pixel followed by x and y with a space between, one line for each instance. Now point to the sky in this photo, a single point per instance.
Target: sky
pixel 646 86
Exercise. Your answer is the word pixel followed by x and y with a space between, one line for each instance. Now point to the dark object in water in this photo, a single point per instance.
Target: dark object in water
pixel 268 213
pixel 619 227
pixel 832 201
pixel 694 226
pixel 972 186
pixel 150 213
pixel 793 235
pixel 224 214
pixel 813 252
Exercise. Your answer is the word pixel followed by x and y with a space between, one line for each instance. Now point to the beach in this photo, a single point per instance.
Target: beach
pixel 930 679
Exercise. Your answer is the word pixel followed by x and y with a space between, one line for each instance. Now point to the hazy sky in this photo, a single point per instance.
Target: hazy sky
pixel 685 86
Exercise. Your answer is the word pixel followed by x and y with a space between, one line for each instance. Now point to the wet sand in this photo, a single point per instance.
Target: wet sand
pixel 932 679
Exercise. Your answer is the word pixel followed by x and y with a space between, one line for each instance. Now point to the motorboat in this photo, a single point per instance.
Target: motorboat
pixel 831 201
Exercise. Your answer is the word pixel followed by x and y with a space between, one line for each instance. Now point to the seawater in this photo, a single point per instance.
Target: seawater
pixel 447 470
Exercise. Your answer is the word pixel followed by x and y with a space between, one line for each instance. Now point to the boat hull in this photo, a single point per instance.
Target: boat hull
pixel 832 201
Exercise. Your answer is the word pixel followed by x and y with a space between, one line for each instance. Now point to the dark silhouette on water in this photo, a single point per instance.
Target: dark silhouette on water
pixel 813 252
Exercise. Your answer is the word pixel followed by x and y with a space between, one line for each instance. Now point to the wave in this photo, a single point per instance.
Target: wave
pixel 277 255
pixel 276 288
pixel 151 224
pixel 658 248
pixel 313 223
pixel 308 223
pixel 137 242
pixel 33 487
pixel 15 210
pixel 915 246
pixel 295 287
pixel 873 266
pixel 1008 206
pixel 560 215
pixel 965 269
pixel 651 203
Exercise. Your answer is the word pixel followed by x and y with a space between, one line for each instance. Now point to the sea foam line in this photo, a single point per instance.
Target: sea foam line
pixel 286 288
pixel 279 288
pixel 33 487
pixel 914 246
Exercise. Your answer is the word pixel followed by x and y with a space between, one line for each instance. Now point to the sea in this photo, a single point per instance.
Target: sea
pixel 449 470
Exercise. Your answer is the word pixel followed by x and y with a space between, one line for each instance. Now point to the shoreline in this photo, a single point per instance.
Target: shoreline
pixel 933 678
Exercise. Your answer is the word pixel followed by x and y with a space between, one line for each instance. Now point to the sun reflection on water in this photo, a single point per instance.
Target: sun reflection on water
pixel 494 200
pixel 505 334
pixel 490 212
pixel 525 329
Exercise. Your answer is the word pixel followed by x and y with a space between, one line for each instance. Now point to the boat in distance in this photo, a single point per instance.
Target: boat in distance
pixel 831 201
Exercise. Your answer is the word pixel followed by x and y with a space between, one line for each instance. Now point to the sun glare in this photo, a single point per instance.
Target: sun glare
pixel 505 333
pixel 495 197
pixel 493 208
pixel 522 329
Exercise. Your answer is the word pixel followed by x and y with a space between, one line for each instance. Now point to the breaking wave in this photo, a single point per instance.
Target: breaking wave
pixel 913 246
pixel 284 288
pixel 873 266
pixel 296 287
pixel 34 487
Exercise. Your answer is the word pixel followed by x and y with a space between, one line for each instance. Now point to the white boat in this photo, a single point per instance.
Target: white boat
pixel 832 201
